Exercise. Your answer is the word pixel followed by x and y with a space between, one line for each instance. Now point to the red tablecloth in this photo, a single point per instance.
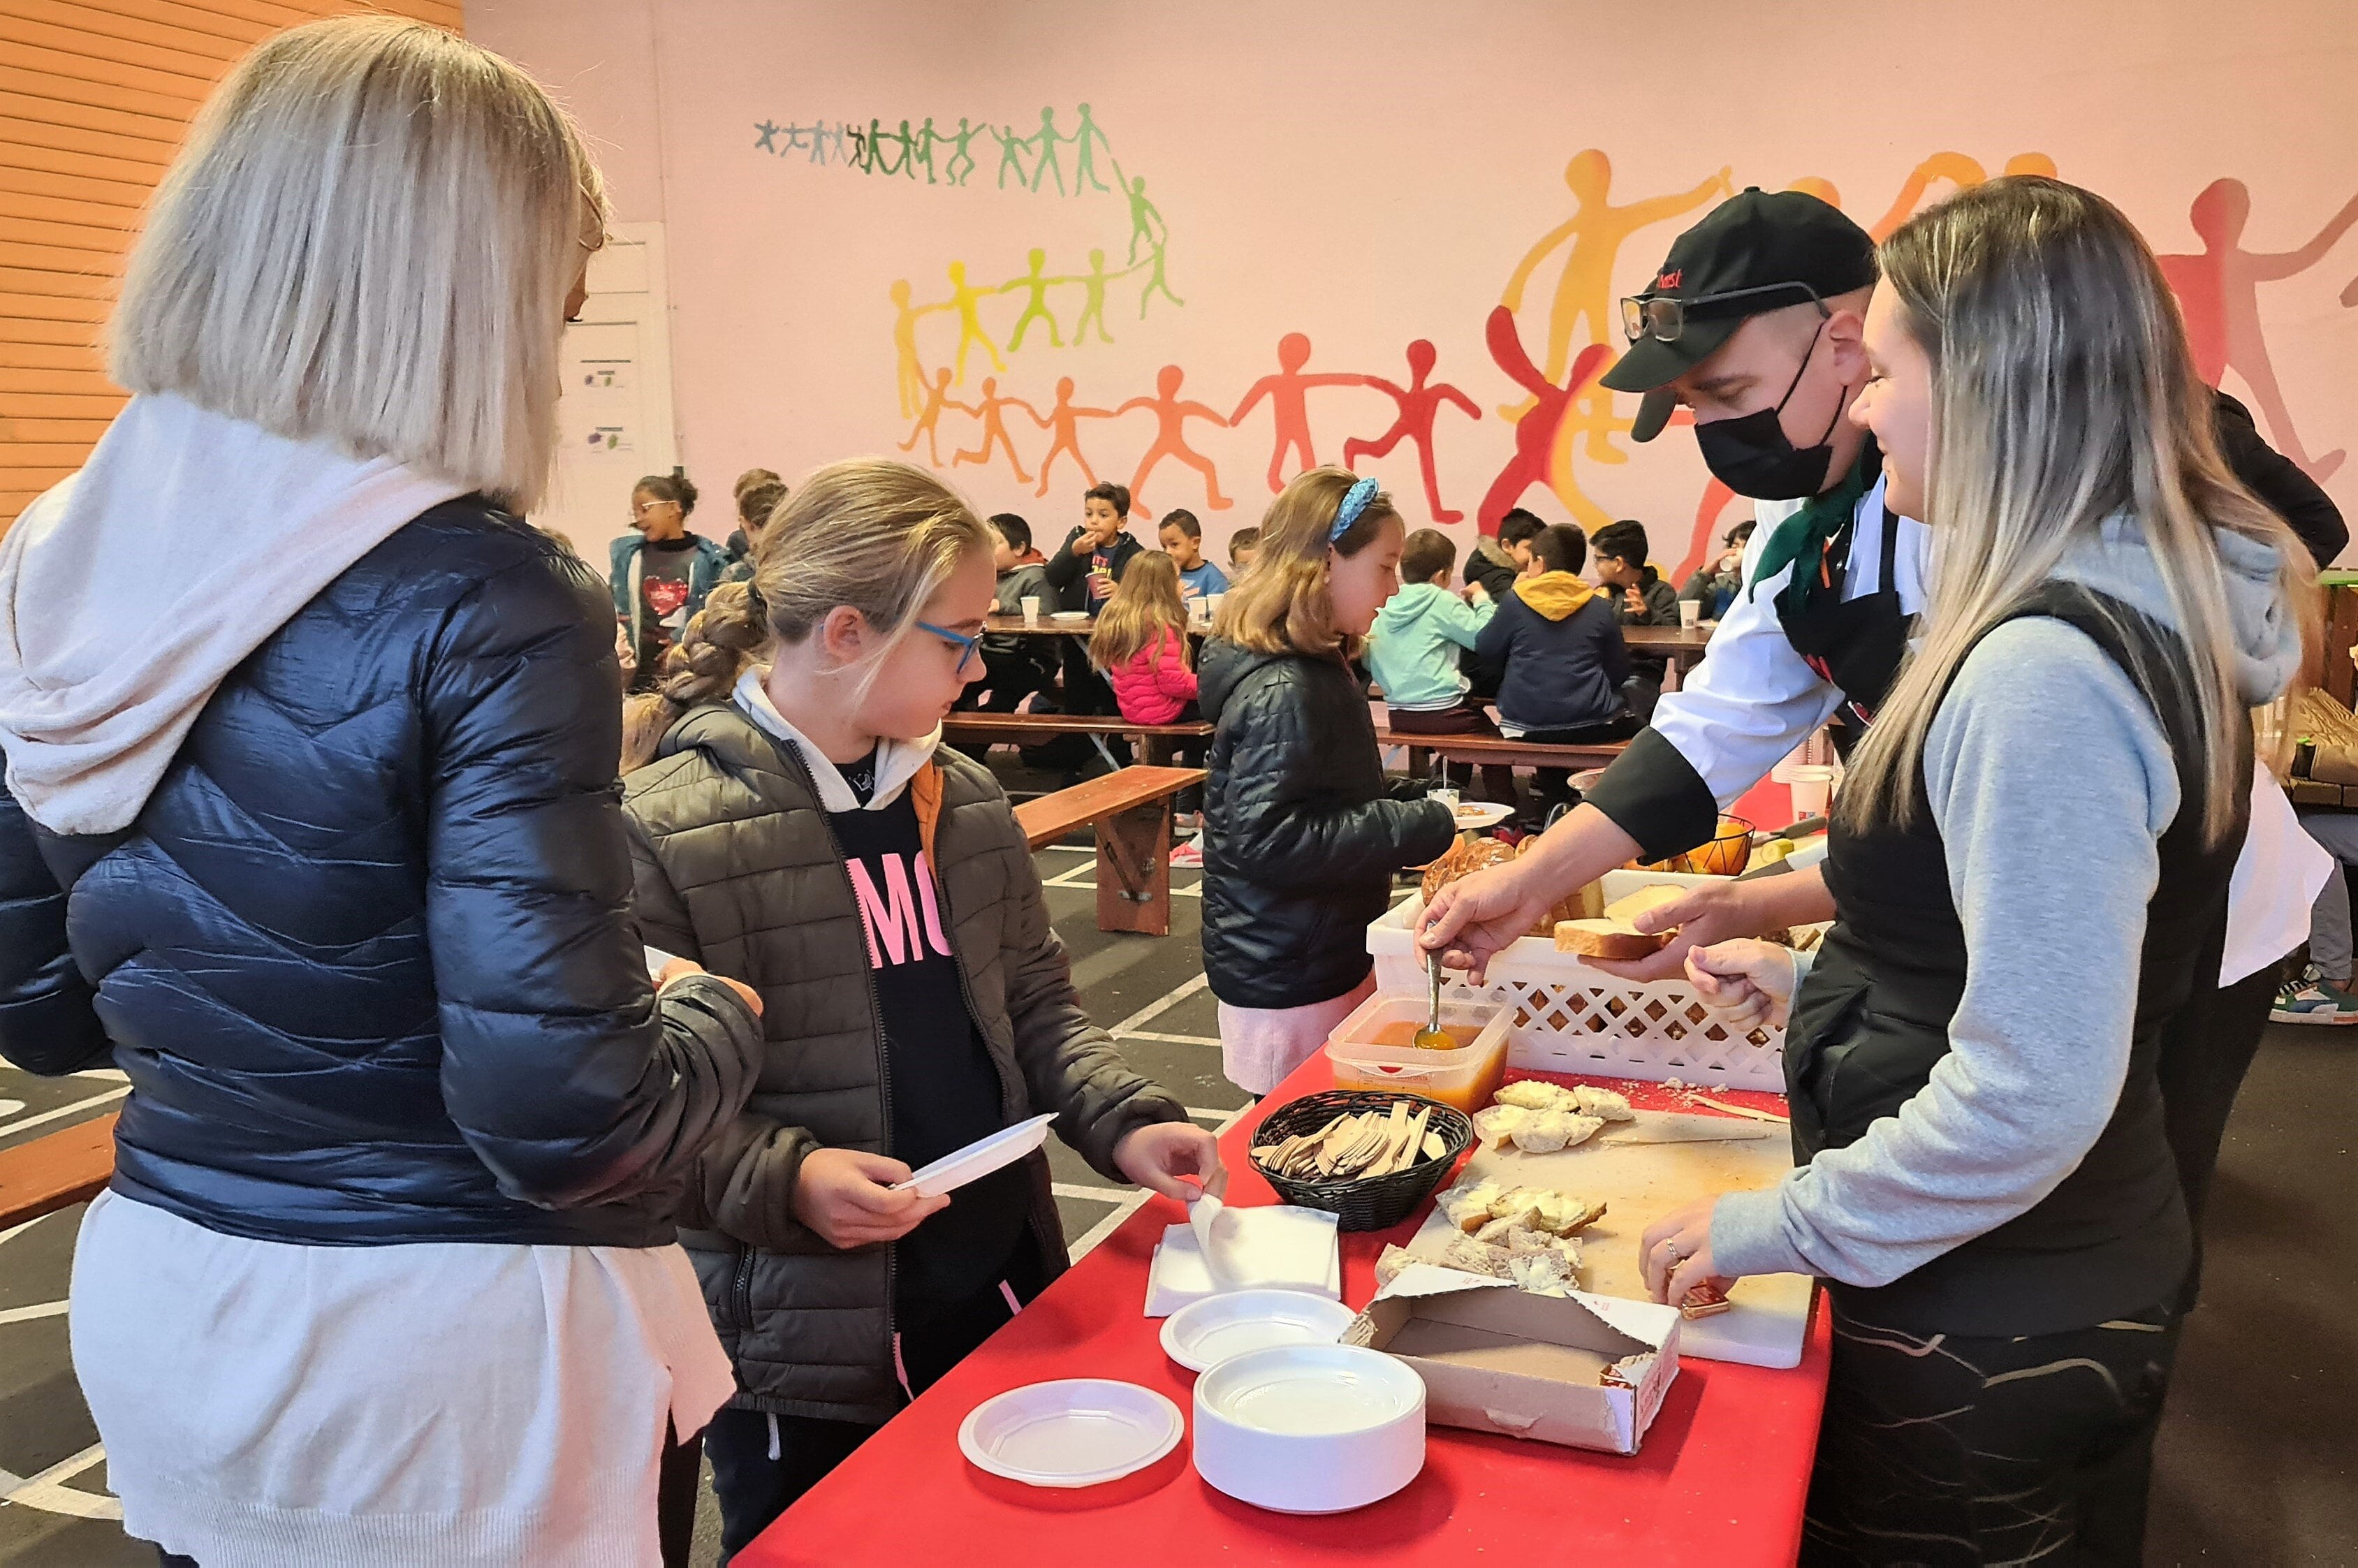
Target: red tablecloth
pixel 1719 1483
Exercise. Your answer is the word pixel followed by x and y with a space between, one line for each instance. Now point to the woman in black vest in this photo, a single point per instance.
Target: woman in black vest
pixel 2029 864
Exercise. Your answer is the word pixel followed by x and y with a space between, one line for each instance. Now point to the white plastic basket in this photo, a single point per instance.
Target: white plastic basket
pixel 1571 1018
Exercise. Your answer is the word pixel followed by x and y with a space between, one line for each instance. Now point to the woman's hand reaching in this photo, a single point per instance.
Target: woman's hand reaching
pixel 1748 982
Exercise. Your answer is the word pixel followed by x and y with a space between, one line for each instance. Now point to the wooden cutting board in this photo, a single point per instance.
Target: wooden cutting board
pixel 1640 1183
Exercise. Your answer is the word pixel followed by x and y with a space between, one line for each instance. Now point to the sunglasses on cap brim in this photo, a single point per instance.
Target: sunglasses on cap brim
pixel 1664 317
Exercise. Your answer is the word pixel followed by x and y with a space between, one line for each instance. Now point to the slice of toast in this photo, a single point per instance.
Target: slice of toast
pixel 1607 939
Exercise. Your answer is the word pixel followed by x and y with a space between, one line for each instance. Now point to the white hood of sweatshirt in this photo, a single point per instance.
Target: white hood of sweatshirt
pixel 131 588
pixel 897 762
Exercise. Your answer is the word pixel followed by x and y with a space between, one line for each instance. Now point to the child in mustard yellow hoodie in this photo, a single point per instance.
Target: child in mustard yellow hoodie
pixel 1555 644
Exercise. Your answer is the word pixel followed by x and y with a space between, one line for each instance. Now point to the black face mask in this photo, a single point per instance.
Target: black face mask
pixel 1752 456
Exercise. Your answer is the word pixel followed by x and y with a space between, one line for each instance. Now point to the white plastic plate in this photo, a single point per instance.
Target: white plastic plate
pixel 1077 1432
pixel 1069 615
pixel 1206 1333
pixel 978 1158
pixel 1475 815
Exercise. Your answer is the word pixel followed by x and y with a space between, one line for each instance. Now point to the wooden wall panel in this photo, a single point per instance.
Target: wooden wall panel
pixel 94 98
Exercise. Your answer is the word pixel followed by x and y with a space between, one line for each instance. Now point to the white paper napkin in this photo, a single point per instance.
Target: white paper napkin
pixel 1277 1247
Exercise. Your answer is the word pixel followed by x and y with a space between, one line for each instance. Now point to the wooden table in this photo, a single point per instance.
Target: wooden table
pixel 1684 648
pixel 61 1168
pixel 1048 626
pixel 1719 1483
pixel 1131 811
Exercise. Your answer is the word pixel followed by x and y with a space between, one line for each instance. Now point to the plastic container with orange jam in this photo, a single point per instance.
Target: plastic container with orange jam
pixel 1371 1049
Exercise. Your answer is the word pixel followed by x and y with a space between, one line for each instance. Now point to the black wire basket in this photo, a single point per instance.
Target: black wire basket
pixel 1363 1202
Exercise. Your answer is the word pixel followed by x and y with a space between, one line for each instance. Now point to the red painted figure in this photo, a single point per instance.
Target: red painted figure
pixel 1171 441
pixel 1419 403
pixel 1288 406
pixel 1535 431
pixel 2218 293
pixel 994 430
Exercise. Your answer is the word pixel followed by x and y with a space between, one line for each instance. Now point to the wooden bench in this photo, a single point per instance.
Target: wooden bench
pixel 1497 749
pixel 1160 742
pixel 55 1171
pixel 1130 810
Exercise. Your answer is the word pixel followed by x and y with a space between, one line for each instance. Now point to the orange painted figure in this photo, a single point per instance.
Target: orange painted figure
pixel 1063 423
pixel 1289 405
pixel 908 374
pixel 929 420
pixel 2218 293
pixel 994 430
pixel 1591 239
pixel 962 298
pixel 1035 308
pixel 1418 402
pixel 1171 440
pixel 1535 431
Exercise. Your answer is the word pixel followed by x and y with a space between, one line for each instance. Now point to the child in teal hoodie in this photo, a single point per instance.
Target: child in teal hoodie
pixel 1413 650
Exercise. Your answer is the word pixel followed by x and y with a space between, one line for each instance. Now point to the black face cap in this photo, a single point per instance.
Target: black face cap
pixel 1754 240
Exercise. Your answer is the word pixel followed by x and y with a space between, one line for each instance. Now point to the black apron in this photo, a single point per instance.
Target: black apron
pixel 1872 1021
pixel 1854 644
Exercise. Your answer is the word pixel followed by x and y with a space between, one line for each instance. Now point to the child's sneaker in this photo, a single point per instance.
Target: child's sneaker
pixel 1190 853
pixel 2313 999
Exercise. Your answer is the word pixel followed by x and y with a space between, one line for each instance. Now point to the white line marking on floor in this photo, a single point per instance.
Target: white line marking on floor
pixel 1154 1009
pixel 1166 1039
pixel 1066 879
pixel 1062 1190
pixel 111 1075
pixel 47 1491
pixel 1214 1114
pixel 1109 1225
pixel 28 1313
pixel 9 1128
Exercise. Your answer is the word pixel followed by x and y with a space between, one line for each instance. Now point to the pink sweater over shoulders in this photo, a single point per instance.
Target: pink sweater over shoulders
pixel 1156 683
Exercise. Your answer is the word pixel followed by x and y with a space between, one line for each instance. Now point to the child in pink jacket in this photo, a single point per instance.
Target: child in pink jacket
pixel 1140 643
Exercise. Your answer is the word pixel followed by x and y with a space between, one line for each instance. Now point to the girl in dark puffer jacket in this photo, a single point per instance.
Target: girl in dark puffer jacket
pixel 1302 833
pixel 802 830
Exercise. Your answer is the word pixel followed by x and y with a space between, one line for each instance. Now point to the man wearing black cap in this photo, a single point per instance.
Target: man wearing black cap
pixel 1753 322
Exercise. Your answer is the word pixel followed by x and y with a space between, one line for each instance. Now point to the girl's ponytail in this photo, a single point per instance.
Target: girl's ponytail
pixel 721 640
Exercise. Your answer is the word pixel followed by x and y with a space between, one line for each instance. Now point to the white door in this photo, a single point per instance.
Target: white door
pixel 614 422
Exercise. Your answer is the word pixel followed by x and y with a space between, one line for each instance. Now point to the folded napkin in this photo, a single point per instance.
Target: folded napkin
pixel 1277 1247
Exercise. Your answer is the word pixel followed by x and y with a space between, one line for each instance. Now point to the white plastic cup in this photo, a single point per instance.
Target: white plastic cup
pixel 1690 613
pixel 1212 606
pixel 1812 787
pixel 1031 602
pixel 1199 608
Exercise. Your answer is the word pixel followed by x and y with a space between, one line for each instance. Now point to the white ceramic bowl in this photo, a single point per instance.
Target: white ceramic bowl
pixel 1309 1429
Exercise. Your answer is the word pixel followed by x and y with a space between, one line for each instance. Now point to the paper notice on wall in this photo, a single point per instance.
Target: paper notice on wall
pixel 609 439
pixel 605 374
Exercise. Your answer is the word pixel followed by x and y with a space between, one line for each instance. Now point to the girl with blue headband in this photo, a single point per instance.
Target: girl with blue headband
pixel 1302 832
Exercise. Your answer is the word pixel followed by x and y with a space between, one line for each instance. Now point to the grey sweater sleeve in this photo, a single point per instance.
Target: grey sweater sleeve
pixel 2050 781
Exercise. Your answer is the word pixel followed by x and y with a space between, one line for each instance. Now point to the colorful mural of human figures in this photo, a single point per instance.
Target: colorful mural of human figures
pixel 2218 294
pixel 1289 410
pixel 1418 404
pixel 1591 240
pixel 1535 432
pixel 1172 414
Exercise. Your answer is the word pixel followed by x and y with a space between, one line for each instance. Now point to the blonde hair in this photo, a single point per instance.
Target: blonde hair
pixel 1146 603
pixel 2063 393
pixel 369 240
pixel 877 536
pixel 1286 603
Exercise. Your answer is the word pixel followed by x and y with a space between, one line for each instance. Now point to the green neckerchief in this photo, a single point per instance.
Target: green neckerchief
pixel 1800 541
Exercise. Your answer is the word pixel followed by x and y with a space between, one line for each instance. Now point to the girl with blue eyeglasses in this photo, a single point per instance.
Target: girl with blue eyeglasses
pixel 801 829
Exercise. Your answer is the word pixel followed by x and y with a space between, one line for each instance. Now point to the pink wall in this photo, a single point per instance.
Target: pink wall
pixel 1369 173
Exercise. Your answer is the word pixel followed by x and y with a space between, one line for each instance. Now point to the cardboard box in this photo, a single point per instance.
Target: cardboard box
pixel 1495 1358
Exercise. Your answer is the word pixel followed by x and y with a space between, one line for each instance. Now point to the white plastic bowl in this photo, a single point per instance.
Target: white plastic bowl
pixel 1204 1333
pixel 1309 1429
